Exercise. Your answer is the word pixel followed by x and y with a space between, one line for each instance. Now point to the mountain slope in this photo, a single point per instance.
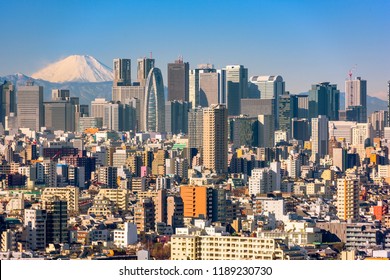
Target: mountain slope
pixel 75 68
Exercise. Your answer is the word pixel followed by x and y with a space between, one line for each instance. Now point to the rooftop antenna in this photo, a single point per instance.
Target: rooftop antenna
pixel 151 55
pixel 350 72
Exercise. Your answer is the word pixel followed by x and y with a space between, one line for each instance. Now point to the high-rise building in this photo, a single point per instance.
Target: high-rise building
pixel 178 80
pixel 236 88
pixel 195 128
pixel 143 69
pixel 356 95
pixel 59 115
pixel 339 158
pixel 196 200
pixel 379 120
pixel 35 223
pixel 144 213
pixel 60 94
pixel 269 87
pixel 175 211
pixel 122 72
pixel 285 113
pixel 176 116
pixel 244 131
pixel 261 181
pixel 215 138
pixel 266 131
pixel 348 198
pixel 154 105
pixel 97 107
pixel 57 221
pixel 324 99
pixel 30 106
pixel 193 88
pixel 7 101
pixel 319 137
pixel 108 176
pixel 208 87
pixel 119 117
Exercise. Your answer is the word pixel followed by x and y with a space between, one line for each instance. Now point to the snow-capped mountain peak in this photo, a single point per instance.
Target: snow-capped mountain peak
pixel 75 68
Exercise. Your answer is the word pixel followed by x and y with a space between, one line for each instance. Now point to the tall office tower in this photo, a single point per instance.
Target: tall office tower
pixel 319 137
pixel 195 128
pixel 122 72
pixel 236 88
pixel 176 116
pixel 175 212
pixel 302 109
pixel 108 176
pixel 60 94
pixel 208 85
pixel 56 221
pixel 222 86
pixel 178 80
pixel 30 106
pixel 269 87
pixel 193 88
pixel 348 198
pixel 379 120
pixel 324 99
pixel 35 224
pixel 7 101
pixel 154 106
pixel 356 95
pixel 144 65
pixel 254 107
pixel 97 107
pixel 119 117
pixel 362 134
pixel 266 131
pixel 285 113
pixel 215 138
pixel 59 115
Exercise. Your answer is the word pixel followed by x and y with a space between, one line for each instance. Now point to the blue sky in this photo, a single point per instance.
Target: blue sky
pixel 304 41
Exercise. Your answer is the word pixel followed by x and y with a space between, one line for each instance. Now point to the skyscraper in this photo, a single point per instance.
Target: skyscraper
pixel 30 106
pixel 208 87
pixel 324 99
pixel 59 115
pixel 215 138
pixel 193 91
pixel 178 80
pixel 122 72
pixel 154 105
pixel 356 95
pixel 270 87
pixel 143 69
pixel 319 137
pixel 7 101
pixel 236 88
pixel 195 128
pixel 266 131
pixel 176 116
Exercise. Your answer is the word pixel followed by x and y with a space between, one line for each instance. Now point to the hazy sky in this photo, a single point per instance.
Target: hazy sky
pixel 304 41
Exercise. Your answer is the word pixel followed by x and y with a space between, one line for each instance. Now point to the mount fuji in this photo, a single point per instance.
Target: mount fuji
pixel 75 68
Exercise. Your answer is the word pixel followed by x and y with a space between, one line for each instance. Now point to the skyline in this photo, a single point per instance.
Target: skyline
pixel 292 48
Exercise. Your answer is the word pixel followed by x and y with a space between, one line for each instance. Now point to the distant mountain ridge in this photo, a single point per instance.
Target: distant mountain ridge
pixel 75 68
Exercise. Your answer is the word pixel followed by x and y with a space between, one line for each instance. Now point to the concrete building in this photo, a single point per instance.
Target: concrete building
pixel 7 101
pixel 57 221
pixel 178 80
pixel 319 137
pixel 68 194
pixel 122 72
pixel 227 248
pixel 35 223
pixel 59 115
pixel 324 99
pixel 215 138
pixel 30 109
pixel 195 128
pixel 176 116
pixel 97 107
pixel 125 235
pixel 119 198
pixel 236 88
pixel 348 198
pixel 196 201
pixel 266 131
pixel 175 211
pixel 144 65
pixel 356 95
